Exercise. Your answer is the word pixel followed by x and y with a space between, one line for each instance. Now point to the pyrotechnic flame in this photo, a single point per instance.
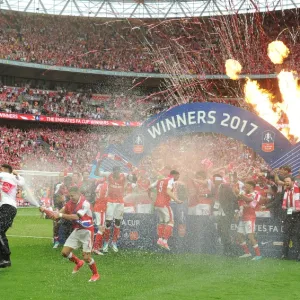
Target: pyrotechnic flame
pixel 290 92
pixel 277 52
pixel 233 68
pixel 260 99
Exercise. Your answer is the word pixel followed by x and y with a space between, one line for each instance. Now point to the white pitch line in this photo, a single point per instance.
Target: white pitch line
pixel 29 236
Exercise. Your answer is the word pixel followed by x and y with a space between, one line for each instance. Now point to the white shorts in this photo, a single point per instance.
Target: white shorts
pixel 165 214
pixel 129 209
pixel 144 208
pixel 114 211
pixel 246 227
pixel 78 238
pixel 136 197
pixel 99 218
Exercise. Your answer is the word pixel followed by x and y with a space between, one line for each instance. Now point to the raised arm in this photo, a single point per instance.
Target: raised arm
pixel 19 179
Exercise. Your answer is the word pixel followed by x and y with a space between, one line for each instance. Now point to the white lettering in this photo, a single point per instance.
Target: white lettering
pixel 181 119
pixel 130 223
pixel 265 228
pixel 253 129
pixel 224 122
pixel 133 223
pixel 233 227
pixel 8 116
pixel 244 125
pixel 235 122
pixel 200 116
pixel 170 123
pixel 192 117
pixel 163 126
pixel 155 130
pixel 212 117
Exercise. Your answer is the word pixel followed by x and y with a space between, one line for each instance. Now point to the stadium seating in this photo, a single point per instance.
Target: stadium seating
pixel 75 105
pixel 146 46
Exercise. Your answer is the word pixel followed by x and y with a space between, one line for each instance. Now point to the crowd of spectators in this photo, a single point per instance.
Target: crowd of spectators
pixel 58 149
pixel 73 42
pixel 204 151
pixel 86 105
pixel 53 149
pixel 197 45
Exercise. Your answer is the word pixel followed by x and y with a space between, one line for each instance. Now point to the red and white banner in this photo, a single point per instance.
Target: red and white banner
pixel 48 119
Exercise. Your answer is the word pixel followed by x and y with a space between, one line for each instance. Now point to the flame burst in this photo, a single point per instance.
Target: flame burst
pixel 290 92
pixel 277 52
pixel 233 68
pixel 261 100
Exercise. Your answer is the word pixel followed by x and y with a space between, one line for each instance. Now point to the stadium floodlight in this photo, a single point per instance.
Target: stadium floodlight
pixel 146 8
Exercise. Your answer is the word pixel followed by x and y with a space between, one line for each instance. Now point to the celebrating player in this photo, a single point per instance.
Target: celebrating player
pixel 99 214
pixel 78 210
pixel 247 203
pixel 140 194
pixel 116 182
pixel 165 193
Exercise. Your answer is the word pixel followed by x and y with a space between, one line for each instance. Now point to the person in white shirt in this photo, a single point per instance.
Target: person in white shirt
pixel 9 182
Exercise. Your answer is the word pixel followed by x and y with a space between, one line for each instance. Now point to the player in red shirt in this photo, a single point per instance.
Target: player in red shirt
pixel 165 194
pixel 99 214
pixel 261 186
pixel 129 200
pixel 198 187
pixel 247 203
pixel 78 210
pixel 116 182
pixel 143 202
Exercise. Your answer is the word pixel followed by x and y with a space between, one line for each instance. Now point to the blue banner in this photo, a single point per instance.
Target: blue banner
pixel 231 121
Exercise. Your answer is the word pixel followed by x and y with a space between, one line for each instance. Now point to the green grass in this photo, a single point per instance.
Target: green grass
pixel 39 272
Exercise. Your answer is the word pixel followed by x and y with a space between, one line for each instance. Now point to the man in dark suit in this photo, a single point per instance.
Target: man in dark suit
pixel 224 206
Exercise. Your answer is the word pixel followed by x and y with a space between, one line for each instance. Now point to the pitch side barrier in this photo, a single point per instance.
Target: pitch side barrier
pixel 194 234
pixel 197 234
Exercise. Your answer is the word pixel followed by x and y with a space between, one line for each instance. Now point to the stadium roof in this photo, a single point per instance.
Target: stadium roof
pixel 146 8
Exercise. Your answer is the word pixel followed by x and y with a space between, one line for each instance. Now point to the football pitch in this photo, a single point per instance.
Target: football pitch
pixel 39 272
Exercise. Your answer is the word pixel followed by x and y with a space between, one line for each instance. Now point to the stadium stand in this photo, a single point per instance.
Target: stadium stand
pixel 145 46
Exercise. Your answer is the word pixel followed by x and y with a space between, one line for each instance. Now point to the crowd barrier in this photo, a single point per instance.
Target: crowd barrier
pixel 196 234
